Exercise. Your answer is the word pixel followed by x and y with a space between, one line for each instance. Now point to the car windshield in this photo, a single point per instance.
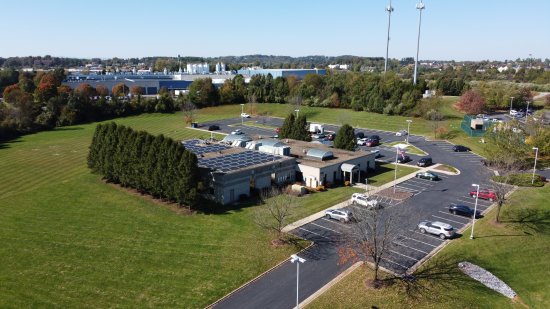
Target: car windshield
pixel 448 229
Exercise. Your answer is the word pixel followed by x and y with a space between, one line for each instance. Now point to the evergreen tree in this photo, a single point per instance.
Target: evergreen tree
pixel 286 129
pixel 299 129
pixel 345 139
pixel 93 155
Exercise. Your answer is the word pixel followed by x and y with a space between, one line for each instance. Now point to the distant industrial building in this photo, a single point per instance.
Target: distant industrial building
pixel 239 164
pixel 298 73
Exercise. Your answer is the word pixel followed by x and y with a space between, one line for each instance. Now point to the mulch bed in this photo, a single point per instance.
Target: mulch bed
pixel 398 195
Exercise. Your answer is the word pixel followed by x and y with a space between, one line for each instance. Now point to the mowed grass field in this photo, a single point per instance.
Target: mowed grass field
pixel 516 251
pixel 69 240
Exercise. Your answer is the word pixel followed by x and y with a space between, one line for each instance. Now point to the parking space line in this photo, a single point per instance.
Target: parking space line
pixel 451 214
pixel 409 190
pixel 409 257
pixel 414 185
pixel 448 220
pixel 403 245
pixel 420 241
pixel 301 228
pixel 324 227
pixel 336 222
pixel 388 260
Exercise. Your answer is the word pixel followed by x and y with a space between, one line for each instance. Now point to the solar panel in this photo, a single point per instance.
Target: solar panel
pixel 235 161
pixel 198 148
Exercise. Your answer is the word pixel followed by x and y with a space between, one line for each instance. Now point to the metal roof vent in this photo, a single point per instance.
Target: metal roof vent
pixel 320 154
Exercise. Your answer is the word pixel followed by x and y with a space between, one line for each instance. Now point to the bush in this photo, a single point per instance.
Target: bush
pixel 347 183
pixel 320 188
pixel 522 180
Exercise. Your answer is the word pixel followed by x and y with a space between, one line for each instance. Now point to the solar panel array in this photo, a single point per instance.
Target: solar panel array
pixel 198 149
pixel 237 161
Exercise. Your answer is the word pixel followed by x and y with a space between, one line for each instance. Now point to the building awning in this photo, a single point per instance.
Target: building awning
pixel 346 167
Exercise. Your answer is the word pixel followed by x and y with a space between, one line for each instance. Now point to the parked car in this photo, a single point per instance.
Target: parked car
pixel 277 130
pixel 237 132
pixel 375 137
pixel 463 210
pixel 460 148
pixel 377 153
pixel 331 136
pixel 513 112
pixel 363 200
pixel 427 175
pixel 443 230
pixel 359 135
pixel 423 162
pixel 245 115
pixel 339 214
pixel 318 136
pixel 372 142
pixel 519 115
pixel 362 141
pixel 401 133
pixel 485 195
pixel 213 127
pixel 403 159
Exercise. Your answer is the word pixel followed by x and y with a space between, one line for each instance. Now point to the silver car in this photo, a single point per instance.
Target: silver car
pixel 443 230
pixel 339 214
pixel 401 133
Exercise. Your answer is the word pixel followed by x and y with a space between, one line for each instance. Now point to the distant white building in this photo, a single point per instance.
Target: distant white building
pixel 220 67
pixel 198 68
pixel 339 66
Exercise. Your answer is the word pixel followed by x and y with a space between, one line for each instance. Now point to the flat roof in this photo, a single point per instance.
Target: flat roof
pixel 299 149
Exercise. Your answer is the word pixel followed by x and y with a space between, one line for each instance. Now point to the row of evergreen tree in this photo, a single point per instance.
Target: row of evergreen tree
pixel 295 128
pixel 154 165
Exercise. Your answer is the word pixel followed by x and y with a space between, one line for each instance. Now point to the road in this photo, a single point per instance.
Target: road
pixel 430 201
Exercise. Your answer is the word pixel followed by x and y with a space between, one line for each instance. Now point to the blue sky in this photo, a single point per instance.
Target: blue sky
pixel 451 29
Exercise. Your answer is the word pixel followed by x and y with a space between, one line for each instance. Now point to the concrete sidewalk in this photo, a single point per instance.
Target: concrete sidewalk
pixel 372 190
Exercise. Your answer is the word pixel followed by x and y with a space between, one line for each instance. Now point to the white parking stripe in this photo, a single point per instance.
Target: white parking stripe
pixel 336 222
pixel 412 184
pixel 415 249
pixel 420 241
pixel 409 190
pixel 409 257
pixel 388 260
pixel 461 223
pixel 324 227
pixel 451 214
pixel 301 228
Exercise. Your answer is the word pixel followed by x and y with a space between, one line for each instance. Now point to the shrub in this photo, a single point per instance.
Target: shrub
pixel 347 183
pixel 521 180
pixel 320 188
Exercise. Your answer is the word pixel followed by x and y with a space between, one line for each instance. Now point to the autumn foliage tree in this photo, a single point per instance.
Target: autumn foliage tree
pixel 120 90
pixel 102 90
pixel 136 90
pixel 471 103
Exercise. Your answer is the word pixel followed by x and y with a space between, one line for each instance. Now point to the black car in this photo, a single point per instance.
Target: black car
pixel 463 210
pixel 423 162
pixel 403 159
pixel 360 135
pixel 460 148
pixel 375 137
pixel 213 127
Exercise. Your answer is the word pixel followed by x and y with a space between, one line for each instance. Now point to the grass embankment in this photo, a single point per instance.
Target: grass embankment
pixel 385 173
pixel 516 251
pixel 70 240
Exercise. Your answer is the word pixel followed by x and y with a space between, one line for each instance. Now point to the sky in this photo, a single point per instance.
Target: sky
pixel 451 29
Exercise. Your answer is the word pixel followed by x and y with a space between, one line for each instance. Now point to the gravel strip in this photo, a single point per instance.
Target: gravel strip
pixel 488 279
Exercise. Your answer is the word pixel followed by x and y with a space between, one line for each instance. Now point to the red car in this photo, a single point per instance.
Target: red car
pixel 372 143
pixel 278 130
pixel 486 195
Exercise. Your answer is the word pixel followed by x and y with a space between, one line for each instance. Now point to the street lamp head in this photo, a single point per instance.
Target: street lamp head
pixel 475 185
pixel 296 110
pixel 420 5
pixel 389 8
pixel 409 121
pixel 535 148
pixel 294 258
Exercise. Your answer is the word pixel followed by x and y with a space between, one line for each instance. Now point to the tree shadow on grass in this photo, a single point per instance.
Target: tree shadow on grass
pixel 8 143
pixel 529 220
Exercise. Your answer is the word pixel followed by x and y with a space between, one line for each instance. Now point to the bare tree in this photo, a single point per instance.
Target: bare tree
pixel 435 117
pixel 274 211
pixel 189 112
pixel 501 185
pixel 371 237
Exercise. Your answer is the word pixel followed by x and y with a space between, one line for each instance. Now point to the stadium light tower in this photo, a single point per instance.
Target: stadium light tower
pixel 420 6
pixel 389 9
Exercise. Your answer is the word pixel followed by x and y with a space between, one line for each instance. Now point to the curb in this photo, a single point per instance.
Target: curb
pixel 212 305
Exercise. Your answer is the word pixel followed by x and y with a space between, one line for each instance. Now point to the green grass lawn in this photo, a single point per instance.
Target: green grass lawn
pixel 516 251
pixel 315 202
pixel 385 172
pixel 70 240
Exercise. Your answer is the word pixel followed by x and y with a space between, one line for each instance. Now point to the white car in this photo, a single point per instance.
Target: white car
pixel 362 141
pixel 363 200
pixel 443 230
pixel 237 132
pixel 513 112
pixel 339 214
pixel 401 133
pixel 245 115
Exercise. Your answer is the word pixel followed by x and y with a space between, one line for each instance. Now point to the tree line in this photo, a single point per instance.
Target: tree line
pixel 155 165
pixel 295 128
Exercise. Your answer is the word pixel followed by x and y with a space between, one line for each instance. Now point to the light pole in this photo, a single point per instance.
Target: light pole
pixel 395 171
pixel 295 258
pixel 242 111
pixel 420 6
pixel 511 100
pixel 536 149
pixel 389 9
pixel 475 211
pixel 297 112
pixel 408 127
pixel 527 111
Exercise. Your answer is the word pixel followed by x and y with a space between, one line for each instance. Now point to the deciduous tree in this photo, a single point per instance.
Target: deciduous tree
pixel 471 103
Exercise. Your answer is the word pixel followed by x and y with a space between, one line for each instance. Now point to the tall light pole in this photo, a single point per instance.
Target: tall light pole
pixel 389 9
pixel 295 258
pixel 420 6
pixel 475 211
pixel 408 127
pixel 535 166
pixel 297 112
pixel 242 111
pixel 511 100
pixel 527 111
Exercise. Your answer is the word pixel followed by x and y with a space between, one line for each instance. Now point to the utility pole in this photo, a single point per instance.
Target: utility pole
pixel 420 6
pixel 389 9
